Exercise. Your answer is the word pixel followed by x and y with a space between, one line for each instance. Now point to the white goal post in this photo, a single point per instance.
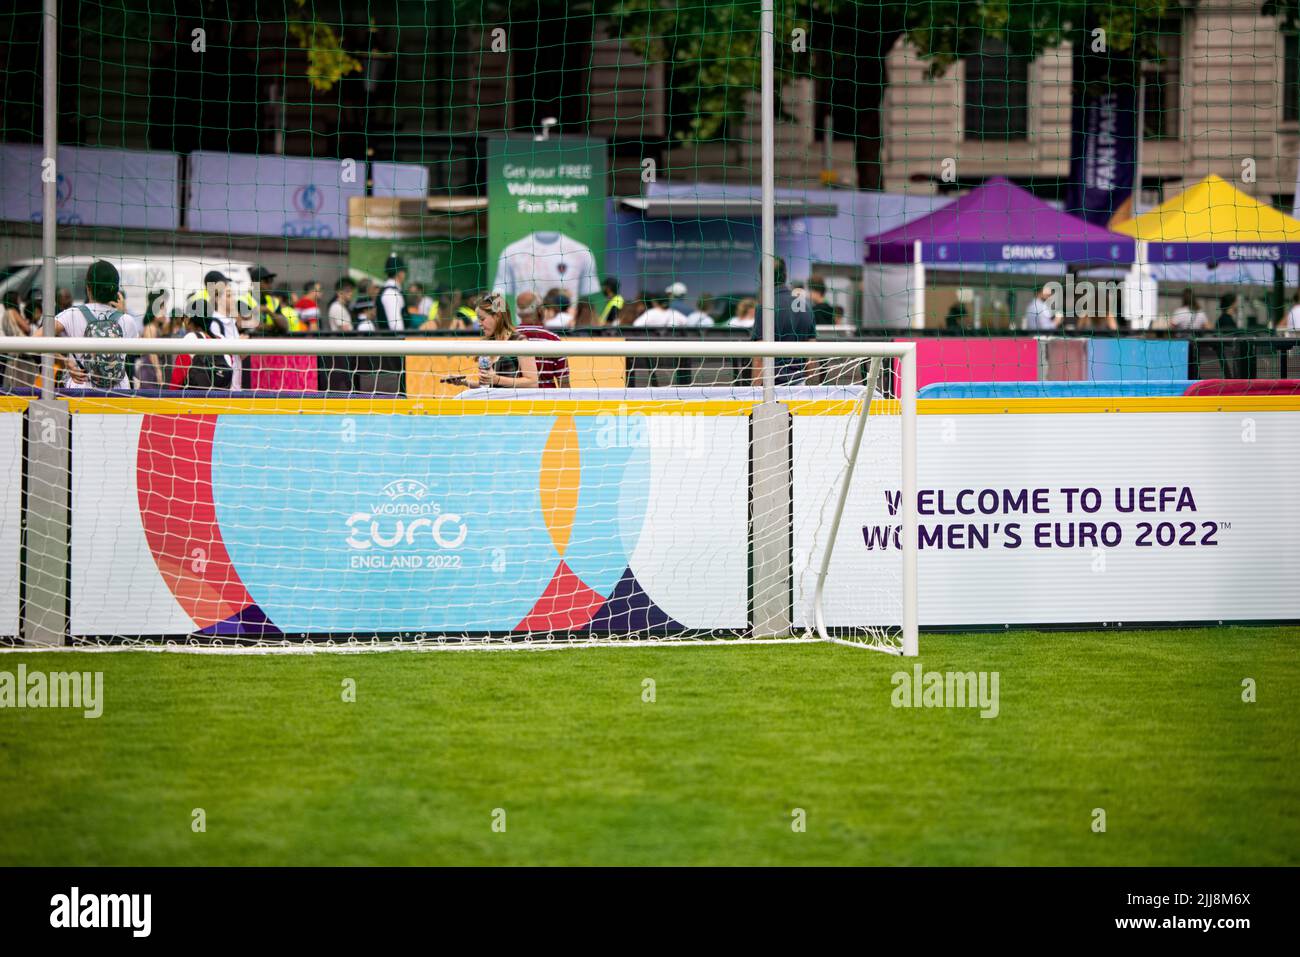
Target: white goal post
pixel 596 522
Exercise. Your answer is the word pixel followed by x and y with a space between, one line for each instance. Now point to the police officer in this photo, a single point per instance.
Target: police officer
pixel 392 300
pixel 276 314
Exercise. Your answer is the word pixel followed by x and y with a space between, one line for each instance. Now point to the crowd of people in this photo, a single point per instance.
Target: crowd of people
pixel 219 311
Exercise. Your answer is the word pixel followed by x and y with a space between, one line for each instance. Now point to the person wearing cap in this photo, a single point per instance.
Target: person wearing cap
pixel 363 314
pixel 392 301
pixel 261 278
pixel 677 303
pixel 390 314
pixel 98 316
pixel 273 313
pixel 213 309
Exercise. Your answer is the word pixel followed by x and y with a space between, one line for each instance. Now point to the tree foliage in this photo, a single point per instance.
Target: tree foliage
pixel 327 61
pixel 713 47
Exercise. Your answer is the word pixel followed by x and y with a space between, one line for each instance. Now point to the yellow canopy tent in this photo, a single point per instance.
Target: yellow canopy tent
pixel 1215 221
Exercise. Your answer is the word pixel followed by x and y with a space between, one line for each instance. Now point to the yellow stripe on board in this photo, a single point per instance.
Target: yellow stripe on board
pixel 375 406
pixel 14 403
pixel 126 405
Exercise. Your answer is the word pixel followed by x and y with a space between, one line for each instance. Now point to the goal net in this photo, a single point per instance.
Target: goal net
pixel 650 492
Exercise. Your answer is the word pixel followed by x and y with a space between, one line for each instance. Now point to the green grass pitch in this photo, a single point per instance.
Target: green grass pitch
pixel 1148 725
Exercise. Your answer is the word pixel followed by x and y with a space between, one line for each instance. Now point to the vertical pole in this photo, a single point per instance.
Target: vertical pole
pixel 49 184
pixel 828 149
pixel 45 466
pixel 768 161
pixel 907 398
pixel 918 287
pixel 1141 120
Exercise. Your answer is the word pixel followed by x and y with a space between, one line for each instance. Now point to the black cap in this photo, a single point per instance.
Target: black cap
pixel 102 281
pixel 215 276
pixel 260 274
pixel 394 265
pixel 362 302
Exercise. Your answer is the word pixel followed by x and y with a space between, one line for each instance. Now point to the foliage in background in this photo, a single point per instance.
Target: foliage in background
pixel 327 61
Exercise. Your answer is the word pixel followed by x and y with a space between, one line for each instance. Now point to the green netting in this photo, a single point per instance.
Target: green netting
pixel 378 128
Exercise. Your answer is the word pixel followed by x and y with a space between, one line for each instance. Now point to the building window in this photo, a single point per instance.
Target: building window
pixel 997 94
pixel 1291 77
pixel 1160 82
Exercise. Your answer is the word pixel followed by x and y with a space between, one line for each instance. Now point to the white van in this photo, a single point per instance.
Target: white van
pixel 179 276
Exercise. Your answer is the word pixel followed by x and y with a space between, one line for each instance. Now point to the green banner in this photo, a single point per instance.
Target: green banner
pixel 445 265
pixel 546 216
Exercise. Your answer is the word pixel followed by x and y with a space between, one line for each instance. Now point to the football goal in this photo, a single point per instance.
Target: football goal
pixel 472 493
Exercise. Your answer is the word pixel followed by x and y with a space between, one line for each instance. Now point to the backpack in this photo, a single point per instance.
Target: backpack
pixel 104 370
pixel 208 372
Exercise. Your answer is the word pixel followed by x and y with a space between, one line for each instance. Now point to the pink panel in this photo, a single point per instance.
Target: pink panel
pixel 975 360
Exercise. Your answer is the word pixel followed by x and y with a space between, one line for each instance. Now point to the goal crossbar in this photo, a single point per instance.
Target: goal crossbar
pixel 876 352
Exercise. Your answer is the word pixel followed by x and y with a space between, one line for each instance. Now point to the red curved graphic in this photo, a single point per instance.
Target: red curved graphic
pixel 174 481
pixel 567 604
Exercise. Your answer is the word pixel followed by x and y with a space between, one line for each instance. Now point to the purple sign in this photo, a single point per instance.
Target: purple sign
pixel 1103 136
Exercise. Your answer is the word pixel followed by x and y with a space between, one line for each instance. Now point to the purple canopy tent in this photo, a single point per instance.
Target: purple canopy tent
pixel 997 222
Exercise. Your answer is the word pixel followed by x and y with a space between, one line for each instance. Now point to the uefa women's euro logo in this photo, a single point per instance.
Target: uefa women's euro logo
pixel 308 203
pixel 65 211
pixel 403 517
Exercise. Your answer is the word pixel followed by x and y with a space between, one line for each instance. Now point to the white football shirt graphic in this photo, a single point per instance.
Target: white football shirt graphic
pixel 543 261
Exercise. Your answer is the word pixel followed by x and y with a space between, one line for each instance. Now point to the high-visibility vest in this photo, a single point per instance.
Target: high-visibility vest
pixel 274 305
pixel 468 313
pixel 433 311
pixel 295 321
pixel 614 305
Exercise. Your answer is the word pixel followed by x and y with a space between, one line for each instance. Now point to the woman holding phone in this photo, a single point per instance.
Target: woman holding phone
pixel 514 372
